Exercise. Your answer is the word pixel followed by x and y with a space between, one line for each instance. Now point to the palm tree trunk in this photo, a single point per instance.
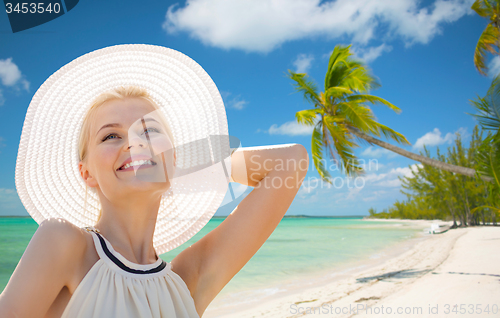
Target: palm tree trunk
pixel 422 159
pixel 452 212
pixel 470 219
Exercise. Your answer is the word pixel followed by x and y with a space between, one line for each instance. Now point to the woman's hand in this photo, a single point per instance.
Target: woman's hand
pixel 250 165
pixel 276 173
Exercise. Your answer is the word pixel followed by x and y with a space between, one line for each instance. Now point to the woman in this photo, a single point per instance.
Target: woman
pixel 129 159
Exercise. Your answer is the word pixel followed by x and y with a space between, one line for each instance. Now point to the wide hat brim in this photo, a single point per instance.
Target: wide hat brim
pixel 47 177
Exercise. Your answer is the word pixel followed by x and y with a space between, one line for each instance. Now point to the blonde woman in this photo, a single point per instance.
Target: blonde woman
pixel 109 198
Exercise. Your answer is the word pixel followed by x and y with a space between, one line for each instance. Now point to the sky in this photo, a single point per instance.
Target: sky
pixel 421 52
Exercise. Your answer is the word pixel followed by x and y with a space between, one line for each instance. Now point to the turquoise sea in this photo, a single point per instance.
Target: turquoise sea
pixel 298 246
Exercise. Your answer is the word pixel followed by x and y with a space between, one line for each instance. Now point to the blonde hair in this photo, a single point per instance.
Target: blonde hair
pixel 118 93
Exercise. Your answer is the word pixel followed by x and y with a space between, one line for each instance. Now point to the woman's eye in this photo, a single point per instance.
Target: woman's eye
pixel 151 129
pixel 109 137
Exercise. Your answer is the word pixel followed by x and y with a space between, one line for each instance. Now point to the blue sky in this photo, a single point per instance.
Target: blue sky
pixel 421 51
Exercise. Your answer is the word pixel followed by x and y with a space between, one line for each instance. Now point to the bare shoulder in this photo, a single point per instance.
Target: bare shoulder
pixel 61 239
pixel 68 243
pixel 58 228
pixel 49 264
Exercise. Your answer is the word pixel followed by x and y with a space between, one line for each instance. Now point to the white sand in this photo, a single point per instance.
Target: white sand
pixel 425 277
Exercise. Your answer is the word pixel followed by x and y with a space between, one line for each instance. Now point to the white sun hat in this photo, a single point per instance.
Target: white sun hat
pixel 48 180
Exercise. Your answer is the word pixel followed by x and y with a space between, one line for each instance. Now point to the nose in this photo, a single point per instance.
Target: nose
pixel 140 145
pixel 136 142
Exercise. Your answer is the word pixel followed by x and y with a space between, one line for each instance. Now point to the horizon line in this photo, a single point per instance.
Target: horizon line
pixel 224 216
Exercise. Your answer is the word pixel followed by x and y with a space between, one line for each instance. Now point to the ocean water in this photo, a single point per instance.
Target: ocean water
pixel 298 246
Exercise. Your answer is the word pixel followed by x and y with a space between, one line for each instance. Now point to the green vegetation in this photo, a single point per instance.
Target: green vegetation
pixel 489 39
pixel 437 194
pixel 342 114
pixel 462 185
pixel 341 110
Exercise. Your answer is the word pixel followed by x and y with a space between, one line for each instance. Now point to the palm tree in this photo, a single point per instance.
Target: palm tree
pixel 488 115
pixel 489 39
pixel 341 113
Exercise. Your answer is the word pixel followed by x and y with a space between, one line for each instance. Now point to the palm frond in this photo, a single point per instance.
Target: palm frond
pixel 345 71
pixel 486 43
pixel 333 119
pixel 337 92
pixel 482 7
pixel 358 78
pixel 489 107
pixel 336 66
pixel 317 153
pixel 358 116
pixel 305 86
pixel 373 100
pixel 392 134
pixel 343 146
pixel 488 157
pixel 308 116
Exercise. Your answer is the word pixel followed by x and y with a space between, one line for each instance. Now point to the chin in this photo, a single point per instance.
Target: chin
pixel 146 186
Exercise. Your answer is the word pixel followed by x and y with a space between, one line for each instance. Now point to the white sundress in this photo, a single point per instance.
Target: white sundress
pixel 115 287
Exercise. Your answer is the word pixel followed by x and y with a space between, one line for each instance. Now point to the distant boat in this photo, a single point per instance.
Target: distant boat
pixel 436 228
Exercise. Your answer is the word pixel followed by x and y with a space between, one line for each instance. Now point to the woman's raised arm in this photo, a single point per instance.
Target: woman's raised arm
pixel 44 269
pixel 276 173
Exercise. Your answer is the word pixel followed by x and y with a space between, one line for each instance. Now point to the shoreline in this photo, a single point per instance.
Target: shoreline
pixel 272 301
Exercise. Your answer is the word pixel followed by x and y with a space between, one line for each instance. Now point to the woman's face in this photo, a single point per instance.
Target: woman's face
pixel 129 150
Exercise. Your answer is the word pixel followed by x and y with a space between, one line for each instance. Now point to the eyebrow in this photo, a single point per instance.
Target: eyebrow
pixel 119 125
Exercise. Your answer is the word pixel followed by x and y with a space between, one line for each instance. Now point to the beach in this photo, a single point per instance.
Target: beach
pixel 452 274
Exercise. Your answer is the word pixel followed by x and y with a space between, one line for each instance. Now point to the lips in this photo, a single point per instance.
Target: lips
pixel 137 160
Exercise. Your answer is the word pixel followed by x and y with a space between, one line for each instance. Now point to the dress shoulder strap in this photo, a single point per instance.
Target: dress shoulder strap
pixel 98 245
pixel 107 252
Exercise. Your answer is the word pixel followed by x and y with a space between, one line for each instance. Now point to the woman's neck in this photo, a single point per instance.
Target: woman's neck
pixel 130 227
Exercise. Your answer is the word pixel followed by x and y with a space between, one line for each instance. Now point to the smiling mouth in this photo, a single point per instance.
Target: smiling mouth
pixel 137 163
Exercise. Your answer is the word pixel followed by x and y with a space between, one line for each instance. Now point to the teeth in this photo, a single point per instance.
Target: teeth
pixel 137 163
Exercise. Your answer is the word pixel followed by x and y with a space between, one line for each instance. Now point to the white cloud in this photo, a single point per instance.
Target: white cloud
pixel 434 138
pixel 377 152
pixel 291 128
pixel 353 194
pixel 11 75
pixel 235 102
pixel 309 185
pixel 26 84
pixel 494 67
pixel 369 187
pixel 314 190
pixel 9 72
pixel 239 104
pixel 376 195
pixel 303 63
pixel 370 54
pixel 390 179
pixel 262 25
pixel 406 171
